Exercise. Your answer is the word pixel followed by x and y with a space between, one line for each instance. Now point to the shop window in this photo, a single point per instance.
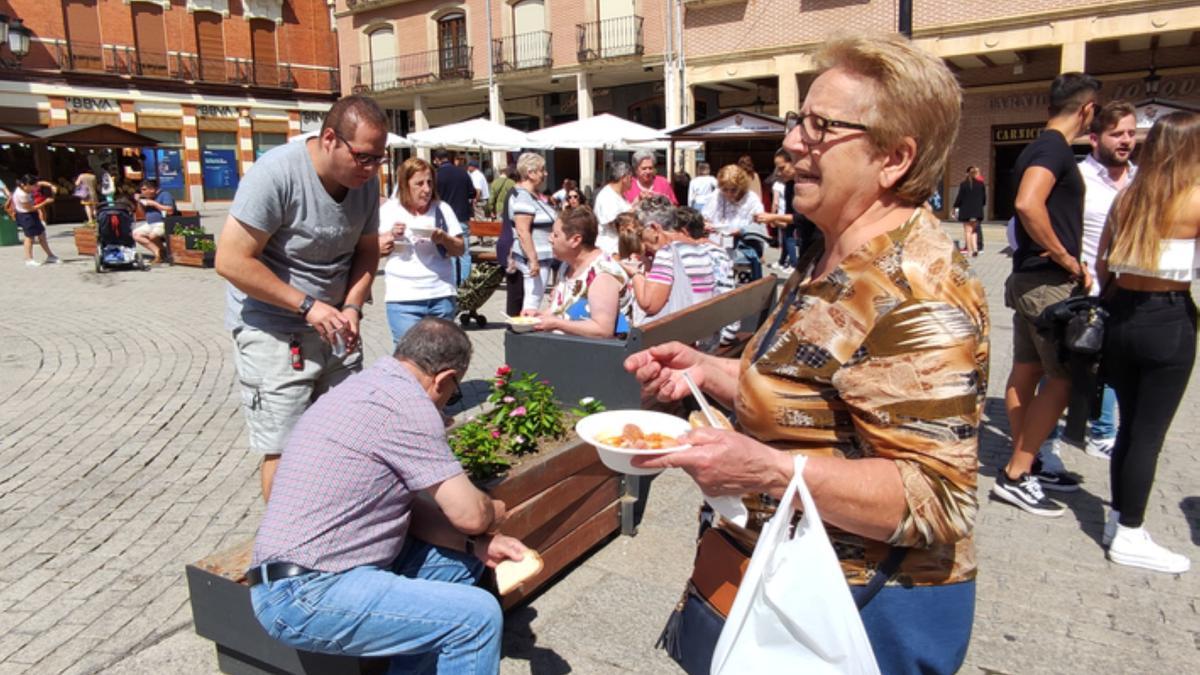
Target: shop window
pixel 265 140
pixel 165 163
pixel 210 42
pixel 150 38
pixel 218 164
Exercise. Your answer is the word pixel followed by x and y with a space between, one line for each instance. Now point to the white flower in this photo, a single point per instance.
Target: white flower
pixel 588 400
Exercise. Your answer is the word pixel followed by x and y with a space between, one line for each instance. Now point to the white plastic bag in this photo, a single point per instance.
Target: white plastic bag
pixel 793 612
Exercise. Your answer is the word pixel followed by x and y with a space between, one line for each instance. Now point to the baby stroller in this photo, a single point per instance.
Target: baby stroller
pixel 747 256
pixel 115 248
pixel 481 283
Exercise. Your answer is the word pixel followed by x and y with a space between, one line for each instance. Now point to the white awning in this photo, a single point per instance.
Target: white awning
pixel 605 132
pixel 393 140
pixel 479 133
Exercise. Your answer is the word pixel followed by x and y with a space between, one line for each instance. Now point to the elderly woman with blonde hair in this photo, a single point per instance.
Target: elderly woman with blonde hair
pixel 532 218
pixel 874 364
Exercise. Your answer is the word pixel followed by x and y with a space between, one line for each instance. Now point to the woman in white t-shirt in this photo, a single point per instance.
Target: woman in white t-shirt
pixel 420 238
pixel 731 218
pixel 610 203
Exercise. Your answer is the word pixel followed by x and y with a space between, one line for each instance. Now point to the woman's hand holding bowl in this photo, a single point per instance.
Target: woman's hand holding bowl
pixel 725 462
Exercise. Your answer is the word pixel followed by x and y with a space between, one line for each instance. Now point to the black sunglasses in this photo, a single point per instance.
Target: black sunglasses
pixel 366 160
pixel 813 126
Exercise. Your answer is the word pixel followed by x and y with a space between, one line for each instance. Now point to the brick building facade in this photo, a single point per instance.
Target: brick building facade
pixel 215 82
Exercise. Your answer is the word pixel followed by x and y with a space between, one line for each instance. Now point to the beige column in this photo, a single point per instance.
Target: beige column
pixel 496 112
pixel 587 158
pixel 420 122
pixel 1074 56
pixel 689 117
pixel 789 93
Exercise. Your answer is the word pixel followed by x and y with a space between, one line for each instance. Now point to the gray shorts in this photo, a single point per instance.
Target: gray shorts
pixel 1028 294
pixel 275 395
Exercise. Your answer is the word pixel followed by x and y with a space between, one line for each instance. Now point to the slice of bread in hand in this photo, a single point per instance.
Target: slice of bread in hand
pixel 698 420
pixel 510 574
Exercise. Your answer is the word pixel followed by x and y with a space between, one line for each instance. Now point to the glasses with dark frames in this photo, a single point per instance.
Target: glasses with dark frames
pixel 813 127
pixel 366 160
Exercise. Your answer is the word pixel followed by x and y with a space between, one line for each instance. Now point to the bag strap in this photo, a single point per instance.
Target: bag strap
pixel 887 569
pixel 439 219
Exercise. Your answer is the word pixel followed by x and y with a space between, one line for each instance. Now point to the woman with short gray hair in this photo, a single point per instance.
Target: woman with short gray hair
pixel 532 219
pixel 610 203
pixel 646 179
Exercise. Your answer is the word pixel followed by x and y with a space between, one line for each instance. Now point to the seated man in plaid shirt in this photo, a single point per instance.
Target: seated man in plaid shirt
pixel 350 557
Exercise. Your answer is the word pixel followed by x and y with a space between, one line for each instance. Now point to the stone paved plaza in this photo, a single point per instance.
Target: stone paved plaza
pixel 123 457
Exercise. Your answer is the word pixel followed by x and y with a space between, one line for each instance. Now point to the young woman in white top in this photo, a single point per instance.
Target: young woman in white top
pixel 420 237
pixel 1148 257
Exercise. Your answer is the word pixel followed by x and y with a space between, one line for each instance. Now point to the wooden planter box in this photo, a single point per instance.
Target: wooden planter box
pixel 85 240
pixel 183 253
pixel 562 502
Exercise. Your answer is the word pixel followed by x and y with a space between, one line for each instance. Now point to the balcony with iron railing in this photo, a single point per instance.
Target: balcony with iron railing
pixel 610 38
pixel 411 69
pixel 85 58
pixel 521 52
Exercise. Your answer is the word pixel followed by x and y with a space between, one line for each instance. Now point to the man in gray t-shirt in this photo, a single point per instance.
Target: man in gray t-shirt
pixel 299 249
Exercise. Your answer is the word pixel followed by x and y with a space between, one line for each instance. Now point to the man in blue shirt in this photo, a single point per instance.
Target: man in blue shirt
pixel 454 187
pixel 157 205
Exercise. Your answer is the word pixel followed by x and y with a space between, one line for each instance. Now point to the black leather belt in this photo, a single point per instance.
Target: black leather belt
pixel 274 572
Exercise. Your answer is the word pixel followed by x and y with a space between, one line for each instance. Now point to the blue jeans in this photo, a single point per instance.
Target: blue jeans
pixel 463 265
pixel 787 245
pixel 424 612
pixel 1105 426
pixel 402 316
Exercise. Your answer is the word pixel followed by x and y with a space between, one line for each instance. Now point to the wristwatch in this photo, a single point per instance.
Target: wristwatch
pixel 306 305
pixel 357 308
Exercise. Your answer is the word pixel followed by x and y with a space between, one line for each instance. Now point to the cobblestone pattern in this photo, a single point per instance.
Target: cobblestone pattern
pixel 123 457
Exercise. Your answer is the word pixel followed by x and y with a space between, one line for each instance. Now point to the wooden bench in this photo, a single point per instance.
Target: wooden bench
pixel 578 366
pixel 484 229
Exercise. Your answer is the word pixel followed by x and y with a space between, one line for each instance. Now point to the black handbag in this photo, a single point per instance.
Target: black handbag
pixel 1077 323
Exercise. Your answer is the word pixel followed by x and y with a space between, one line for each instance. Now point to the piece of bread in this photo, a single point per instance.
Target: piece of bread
pixel 510 574
pixel 698 420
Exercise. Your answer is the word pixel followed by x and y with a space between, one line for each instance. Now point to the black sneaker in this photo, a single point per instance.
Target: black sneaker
pixel 1059 481
pixel 1026 494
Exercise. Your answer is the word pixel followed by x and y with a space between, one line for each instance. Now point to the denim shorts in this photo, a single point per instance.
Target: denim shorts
pixel 31 225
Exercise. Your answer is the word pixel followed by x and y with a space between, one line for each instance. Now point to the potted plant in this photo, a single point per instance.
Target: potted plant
pixel 522 450
pixel 192 246
pixel 85 239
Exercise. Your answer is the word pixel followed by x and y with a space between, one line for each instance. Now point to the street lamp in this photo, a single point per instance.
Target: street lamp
pixel 14 32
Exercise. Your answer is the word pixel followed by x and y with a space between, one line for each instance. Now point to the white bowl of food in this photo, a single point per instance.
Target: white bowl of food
pixel 418 231
pixel 621 435
pixel 523 324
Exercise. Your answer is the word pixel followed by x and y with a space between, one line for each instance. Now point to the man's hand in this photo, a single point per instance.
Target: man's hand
pixel 327 320
pixel 495 549
pixel 350 331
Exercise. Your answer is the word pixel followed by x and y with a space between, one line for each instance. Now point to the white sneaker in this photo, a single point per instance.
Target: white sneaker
pixel 1100 448
pixel 1110 528
pixel 1133 546
pixel 32 263
pixel 52 260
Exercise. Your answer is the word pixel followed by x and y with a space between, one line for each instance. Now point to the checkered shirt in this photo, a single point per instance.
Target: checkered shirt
pixel 352 467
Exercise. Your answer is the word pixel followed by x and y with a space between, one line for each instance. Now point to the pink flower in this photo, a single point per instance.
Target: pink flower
pixel 500 383
pixel 495 433
pixel 519 439
pixel 503 370
pixel 518 412
pixel 508 399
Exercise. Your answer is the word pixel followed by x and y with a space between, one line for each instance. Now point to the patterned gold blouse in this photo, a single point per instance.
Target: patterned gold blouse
pixel 887 356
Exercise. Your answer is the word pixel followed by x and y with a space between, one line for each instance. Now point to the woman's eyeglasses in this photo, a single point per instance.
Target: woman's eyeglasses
pixel 575 197
pixel 813 126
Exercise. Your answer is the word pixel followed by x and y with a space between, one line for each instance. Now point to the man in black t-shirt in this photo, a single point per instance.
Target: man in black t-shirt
pixel 1046 270
pixel 454 187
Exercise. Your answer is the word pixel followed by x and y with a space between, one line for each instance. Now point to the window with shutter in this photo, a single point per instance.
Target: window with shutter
pixel 262 42
pixel 210 40
pixel 151 39
pixel 83 35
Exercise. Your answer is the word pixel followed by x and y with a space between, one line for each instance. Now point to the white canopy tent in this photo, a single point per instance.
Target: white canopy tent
pixel 605 132
pixel 474 134
pixel 393 140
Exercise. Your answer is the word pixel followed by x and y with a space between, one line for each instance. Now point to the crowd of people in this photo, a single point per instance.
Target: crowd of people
pixel 874 363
